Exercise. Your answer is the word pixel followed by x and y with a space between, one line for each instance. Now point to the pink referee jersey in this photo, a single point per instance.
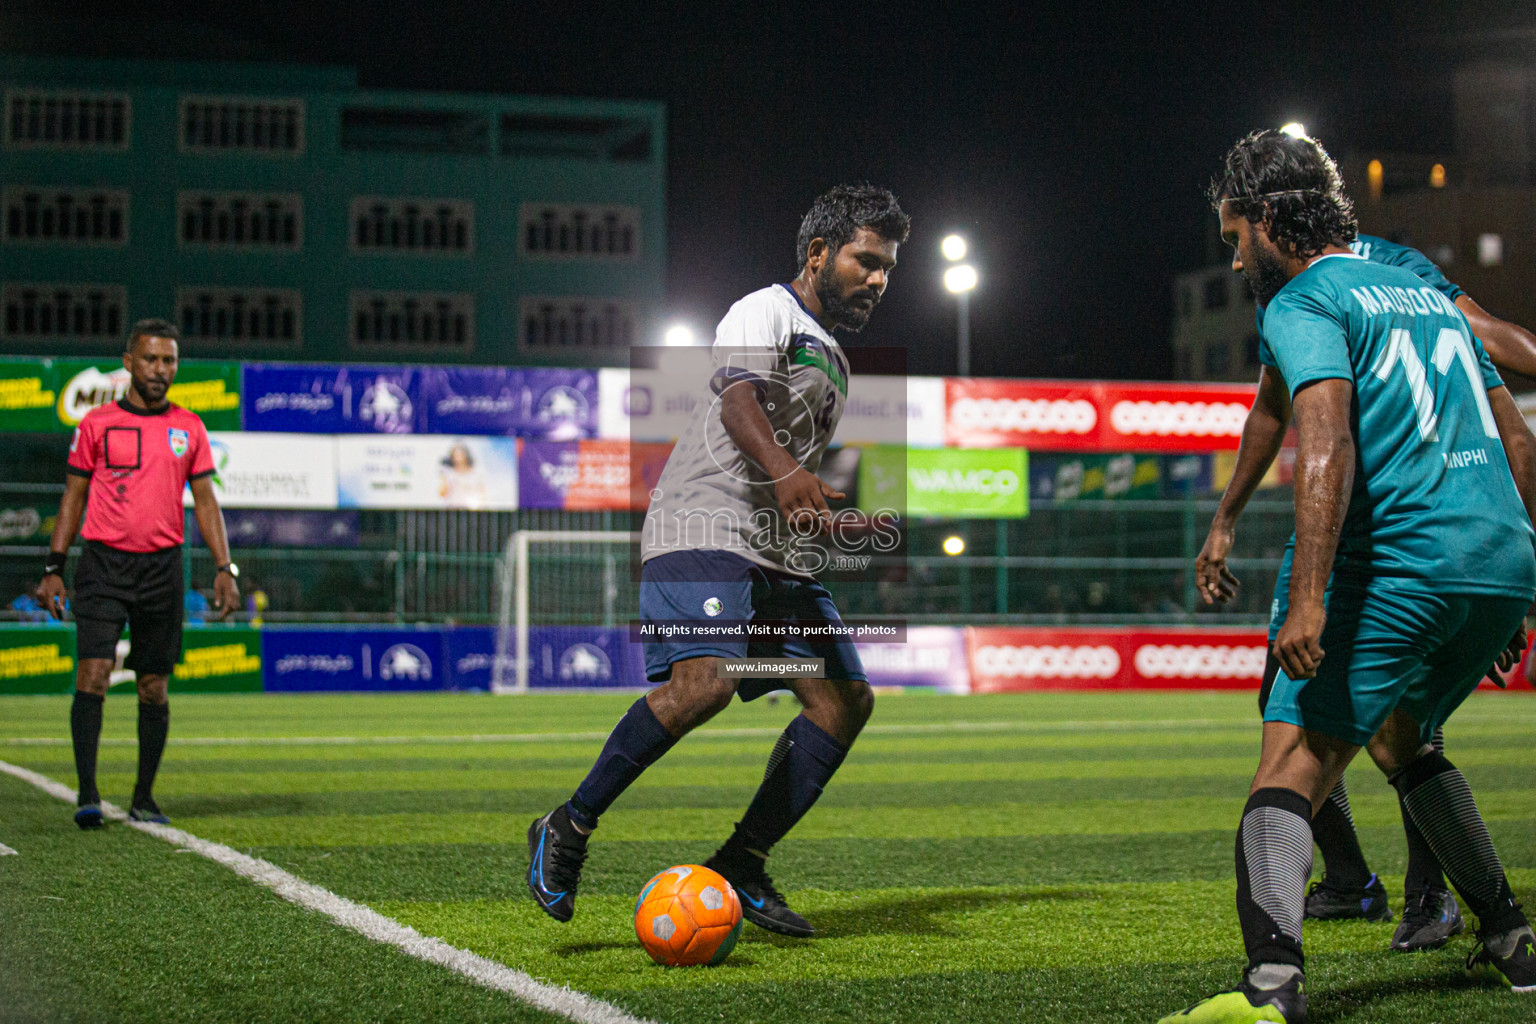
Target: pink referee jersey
pixel 138 462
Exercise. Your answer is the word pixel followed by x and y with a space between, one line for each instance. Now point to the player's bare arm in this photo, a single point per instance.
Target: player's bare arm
pixel 1520 450
pixel 210 520
pixel 1263 434
pixel 800 493
pixel 1325 473
pixel 1510 346
pixel 50 592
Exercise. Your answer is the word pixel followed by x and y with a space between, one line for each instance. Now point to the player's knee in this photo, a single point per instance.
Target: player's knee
pixel 697 685
pixel 153 689
pixel 93 675
pixel 859 700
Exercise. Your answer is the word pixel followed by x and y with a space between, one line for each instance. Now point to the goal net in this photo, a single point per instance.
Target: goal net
pixel 559 578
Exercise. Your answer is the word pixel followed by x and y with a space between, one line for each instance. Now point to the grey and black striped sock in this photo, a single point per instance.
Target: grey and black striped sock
pixel 1438 799
pixel 1274 861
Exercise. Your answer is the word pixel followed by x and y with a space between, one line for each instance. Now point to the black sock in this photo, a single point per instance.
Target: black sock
pixel 154 723
pixel 1274 861
pixel 634 745
pixel 803 761
pixel 1423 867
pixel 1440 803
pixel 1333 829
pixel 85 728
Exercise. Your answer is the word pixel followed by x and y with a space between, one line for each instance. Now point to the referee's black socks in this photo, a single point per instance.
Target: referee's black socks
pixel 85 729
pixel 154 723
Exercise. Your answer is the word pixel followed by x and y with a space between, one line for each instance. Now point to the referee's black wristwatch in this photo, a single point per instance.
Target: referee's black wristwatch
pixel 231 568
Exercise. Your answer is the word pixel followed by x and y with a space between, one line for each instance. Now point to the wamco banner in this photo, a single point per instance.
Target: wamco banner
pixel 945 483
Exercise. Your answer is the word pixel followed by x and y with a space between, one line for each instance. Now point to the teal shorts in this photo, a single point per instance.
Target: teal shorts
pixel 1390 643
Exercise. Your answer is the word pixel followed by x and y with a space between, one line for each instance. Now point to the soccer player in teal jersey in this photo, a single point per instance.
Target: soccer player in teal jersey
pixel 1349 889
pixel 1414 561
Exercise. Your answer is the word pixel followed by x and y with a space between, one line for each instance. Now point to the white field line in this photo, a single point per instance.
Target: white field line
pixel 364 920
pixel 916 729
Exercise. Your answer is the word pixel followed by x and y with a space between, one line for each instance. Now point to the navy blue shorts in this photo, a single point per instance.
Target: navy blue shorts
pixel 722 585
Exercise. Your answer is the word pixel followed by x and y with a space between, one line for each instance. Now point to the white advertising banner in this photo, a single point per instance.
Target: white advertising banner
pixel 426 471
pixel 259 470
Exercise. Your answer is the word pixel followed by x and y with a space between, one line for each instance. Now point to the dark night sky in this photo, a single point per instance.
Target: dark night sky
pixel 1071 144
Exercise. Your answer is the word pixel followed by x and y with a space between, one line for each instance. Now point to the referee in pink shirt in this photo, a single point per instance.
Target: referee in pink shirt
pixel 128 464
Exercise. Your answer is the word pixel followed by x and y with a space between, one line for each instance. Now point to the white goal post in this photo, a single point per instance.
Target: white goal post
pixel 560 577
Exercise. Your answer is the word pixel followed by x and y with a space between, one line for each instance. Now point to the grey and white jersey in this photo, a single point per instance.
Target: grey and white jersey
pixel 710 496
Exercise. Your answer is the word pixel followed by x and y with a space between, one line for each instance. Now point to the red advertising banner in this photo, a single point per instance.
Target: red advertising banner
pixel 615 475
pixel 1006 659
pixel 1094 416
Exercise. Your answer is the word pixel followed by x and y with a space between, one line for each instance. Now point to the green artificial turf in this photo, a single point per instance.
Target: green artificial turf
pixel 1043 858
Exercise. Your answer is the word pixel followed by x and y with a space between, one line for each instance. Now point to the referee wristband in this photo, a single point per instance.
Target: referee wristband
pixel 54 566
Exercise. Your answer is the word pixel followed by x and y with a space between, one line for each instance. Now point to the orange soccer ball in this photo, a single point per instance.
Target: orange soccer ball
pixel 688 915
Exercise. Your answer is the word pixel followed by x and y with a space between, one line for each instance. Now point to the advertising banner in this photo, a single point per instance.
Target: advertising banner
pixel 590 475
pixel 893 410
pixel 945 483
pixel 1095 477
pixel 218 659
pixel 292 398
pixel 562 657
pixel 297 660
pixel 37 659
pixel 272 471
pixel 29 394
pixel 55 394
pixel 469 653
pixel 27 519
pixel 490 400
pixel 1005 659
pixel 1188 475
pixel 932 656
pixel 1095 416
pixel 284 528
pixel 427 472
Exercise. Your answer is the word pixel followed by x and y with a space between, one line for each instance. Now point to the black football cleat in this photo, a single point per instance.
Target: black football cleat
pixel 556 852
pixel 761 903
pixel 1429 920
pixel 1517 970
pixel 1329 902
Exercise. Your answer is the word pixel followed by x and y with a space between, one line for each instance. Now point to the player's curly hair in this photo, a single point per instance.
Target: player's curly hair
pixel 1294 183
pixel 152 327
pixel 837 215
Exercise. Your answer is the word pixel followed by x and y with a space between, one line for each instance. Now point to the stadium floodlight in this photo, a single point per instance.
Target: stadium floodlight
pixel 960 279
pixel 678 336
pixel 1295 129
pixel 953 248
pixel 954 544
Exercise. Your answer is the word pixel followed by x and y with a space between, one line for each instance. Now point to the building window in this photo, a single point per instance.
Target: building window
pixel 50 311
pixel 574 324
pixel 435 321
pixel 263 315
pixel 1216 292
pixel 72 216
pixel 240 220
pixel 385 224
pixel 394 130
pixel 576 138
pixel 51 119
pixel 242 124
pixel 1490 250
pixel 1218 359
pixel 560 231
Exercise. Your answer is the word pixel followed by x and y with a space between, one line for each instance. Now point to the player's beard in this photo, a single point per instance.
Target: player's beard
pixel 1266 274
pixel 839 311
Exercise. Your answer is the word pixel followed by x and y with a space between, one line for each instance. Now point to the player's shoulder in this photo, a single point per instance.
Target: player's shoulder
pixel 774 310
pixel 182 416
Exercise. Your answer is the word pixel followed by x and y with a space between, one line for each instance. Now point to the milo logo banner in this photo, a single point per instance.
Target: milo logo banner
pixel 55 394
pixel 218 659
pixel 28 520
pixel 37 659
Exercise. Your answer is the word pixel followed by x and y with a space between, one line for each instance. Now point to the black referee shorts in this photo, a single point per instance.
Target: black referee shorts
pixel 145 591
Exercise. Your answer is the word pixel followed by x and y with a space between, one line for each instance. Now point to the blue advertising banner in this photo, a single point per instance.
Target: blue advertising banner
pixel 560 405
pixel 284 528
pixel 320 399
pixel 299 660
pixel 470 654
pixel 583 656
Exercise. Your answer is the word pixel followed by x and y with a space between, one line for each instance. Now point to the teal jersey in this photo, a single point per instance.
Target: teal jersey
pixel 1379 250
pixel 1433 497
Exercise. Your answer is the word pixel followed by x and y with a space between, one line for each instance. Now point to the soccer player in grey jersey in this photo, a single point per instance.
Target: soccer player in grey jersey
pixel 721 543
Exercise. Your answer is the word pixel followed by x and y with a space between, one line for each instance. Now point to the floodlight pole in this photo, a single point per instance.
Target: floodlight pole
pixel 963 334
